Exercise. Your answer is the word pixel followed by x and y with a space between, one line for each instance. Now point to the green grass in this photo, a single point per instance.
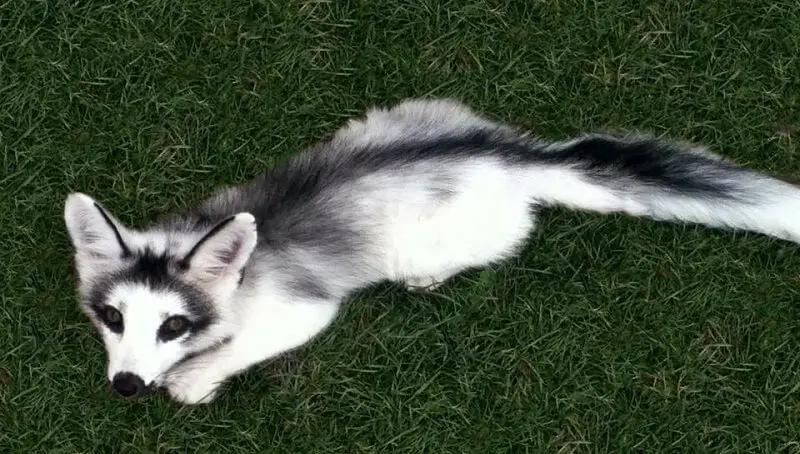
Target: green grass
pixel 608 334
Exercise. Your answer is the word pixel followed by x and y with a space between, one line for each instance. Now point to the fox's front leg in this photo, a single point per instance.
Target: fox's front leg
pixel 283 328
pixel 197 380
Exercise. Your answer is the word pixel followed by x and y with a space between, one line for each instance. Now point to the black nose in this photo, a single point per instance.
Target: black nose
pixel 127 384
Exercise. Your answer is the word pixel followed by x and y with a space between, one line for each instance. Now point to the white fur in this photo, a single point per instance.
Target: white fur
pixel 136 349
pixel 277 324
pixel 484 222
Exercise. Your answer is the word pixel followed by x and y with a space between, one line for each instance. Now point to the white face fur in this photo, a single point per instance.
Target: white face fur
pixel 139 349
pixel 155 296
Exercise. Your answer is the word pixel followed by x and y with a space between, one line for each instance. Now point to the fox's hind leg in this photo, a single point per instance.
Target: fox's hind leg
pixel 427 283
pixel 486 221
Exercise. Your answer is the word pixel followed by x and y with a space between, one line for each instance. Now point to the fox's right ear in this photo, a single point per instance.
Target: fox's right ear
pixel 99 239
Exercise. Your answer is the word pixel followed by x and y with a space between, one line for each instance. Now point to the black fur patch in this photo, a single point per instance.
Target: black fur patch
pixel 650 162
pixel 151 268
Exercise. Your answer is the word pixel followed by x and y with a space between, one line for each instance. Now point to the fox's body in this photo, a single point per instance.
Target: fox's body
pixel 413 194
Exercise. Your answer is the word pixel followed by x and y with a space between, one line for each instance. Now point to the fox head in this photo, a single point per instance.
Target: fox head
pixel 156 296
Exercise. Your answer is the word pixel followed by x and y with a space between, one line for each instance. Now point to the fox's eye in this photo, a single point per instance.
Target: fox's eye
pixel 112 318
pixel 173 327
pixel 113 315
pixel 176 324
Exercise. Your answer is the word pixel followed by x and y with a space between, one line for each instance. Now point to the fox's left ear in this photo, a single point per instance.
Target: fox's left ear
pixel 99 239
pixel 222 253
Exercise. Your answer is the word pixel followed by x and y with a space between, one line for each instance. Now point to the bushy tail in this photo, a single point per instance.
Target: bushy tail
pixel 662 180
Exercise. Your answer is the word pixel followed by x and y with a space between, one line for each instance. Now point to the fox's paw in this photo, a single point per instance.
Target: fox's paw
pixel 192 387
pixel 423 284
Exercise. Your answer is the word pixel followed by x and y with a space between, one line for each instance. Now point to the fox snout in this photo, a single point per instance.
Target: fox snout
pixel 127 384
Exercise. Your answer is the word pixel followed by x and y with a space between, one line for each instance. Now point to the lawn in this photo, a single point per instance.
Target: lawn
pixel 607 334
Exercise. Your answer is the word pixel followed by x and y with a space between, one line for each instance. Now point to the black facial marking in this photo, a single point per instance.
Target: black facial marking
pixel 126 252
pixel 157 272
pixel 150 267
